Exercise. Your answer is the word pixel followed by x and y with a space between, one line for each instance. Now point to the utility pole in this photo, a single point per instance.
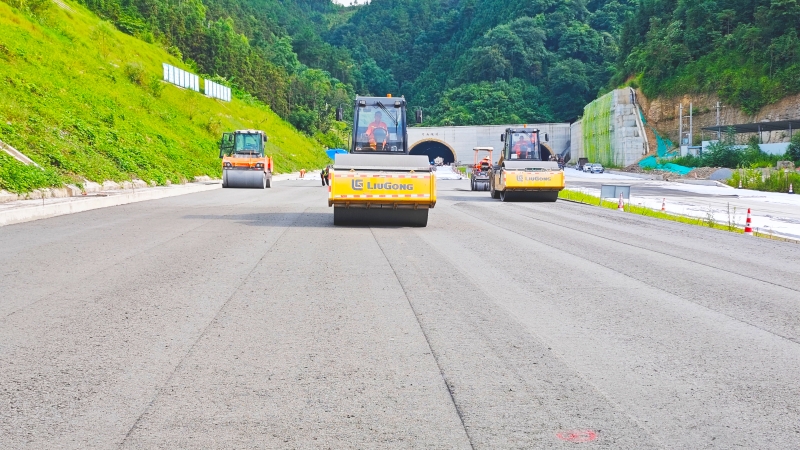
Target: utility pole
pixel 719 134
pixel 680 126
pixel 691 108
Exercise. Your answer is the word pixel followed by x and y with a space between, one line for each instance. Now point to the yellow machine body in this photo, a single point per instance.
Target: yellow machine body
pixel 529 180
pixel 382 189
pixel 528 168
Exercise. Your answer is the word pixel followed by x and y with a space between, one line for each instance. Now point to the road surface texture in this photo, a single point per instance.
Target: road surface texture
pixel 244 319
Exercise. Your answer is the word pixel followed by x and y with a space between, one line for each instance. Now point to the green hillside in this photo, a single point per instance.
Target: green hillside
pixel 464 61
pixel 491 61
pixel 746 52
pixel 85 101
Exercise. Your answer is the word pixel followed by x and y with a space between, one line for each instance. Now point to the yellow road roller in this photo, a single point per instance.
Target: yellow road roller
pixel 378 182
pixel 527 169
pixel 244 163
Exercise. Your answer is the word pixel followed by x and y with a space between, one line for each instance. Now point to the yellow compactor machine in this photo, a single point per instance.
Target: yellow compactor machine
pixel 527 169
pixel 379 182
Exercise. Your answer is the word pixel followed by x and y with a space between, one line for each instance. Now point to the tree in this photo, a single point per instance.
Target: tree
pixel 793 152
pixel 570 88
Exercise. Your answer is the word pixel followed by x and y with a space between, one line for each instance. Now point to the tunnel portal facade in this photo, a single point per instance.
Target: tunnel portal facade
pixel 456 144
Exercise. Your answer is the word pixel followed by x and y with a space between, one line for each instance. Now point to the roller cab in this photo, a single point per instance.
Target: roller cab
pixel 244 163
pixel 378 182
pixel 527 169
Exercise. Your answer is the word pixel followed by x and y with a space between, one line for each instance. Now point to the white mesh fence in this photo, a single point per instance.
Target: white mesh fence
pixel 216 90
pixel 180 77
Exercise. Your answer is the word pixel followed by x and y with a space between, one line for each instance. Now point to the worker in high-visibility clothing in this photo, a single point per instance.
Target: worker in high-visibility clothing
pixel 527 148
pixel 484 164
pixel 378 124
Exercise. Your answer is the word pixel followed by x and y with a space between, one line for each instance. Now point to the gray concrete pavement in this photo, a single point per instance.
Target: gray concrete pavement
pixel 244 319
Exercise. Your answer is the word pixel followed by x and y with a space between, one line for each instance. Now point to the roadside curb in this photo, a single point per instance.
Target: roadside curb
pixel 642 176
pixel 81 204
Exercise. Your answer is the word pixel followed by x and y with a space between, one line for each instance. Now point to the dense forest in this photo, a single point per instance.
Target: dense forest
pixel 746 51
pixel 470 61
pixel 490 61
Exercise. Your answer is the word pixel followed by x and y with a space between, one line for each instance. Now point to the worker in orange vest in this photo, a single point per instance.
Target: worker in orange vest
pixel 378 124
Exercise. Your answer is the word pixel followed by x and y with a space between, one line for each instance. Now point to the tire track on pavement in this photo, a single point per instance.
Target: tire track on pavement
pixel 428 341
pixel 205 330
pixel 791 339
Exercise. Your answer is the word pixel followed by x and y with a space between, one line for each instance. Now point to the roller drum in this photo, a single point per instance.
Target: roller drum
pixel 252 179
pixel 401 217
pixel 529 196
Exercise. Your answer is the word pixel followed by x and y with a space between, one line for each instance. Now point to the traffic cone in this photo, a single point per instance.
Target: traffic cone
pixel 790 189
pixel 620 205
pixel 740 183
pixel 748 229
pixel 664 205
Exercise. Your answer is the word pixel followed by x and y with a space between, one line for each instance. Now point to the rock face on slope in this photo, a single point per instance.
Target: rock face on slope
pixel 662 112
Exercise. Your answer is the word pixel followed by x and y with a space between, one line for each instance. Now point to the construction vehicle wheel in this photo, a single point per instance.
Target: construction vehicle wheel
pixel 472 185
pixel 380 217
pixel 495 193
pixel 505 196
pixel 263 181
pixel 269 182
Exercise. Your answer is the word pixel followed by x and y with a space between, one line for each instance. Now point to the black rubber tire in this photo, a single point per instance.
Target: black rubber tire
pixel 505 196
pixel 380 217
pixel 493 192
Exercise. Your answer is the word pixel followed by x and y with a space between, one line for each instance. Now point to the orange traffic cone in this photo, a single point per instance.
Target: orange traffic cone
pixel 620 205
pixel 748 229
pixel 664 205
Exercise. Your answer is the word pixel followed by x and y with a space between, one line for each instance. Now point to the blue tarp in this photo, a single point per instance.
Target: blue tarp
pixel 652 163
pixel 332 152
pixel 663 145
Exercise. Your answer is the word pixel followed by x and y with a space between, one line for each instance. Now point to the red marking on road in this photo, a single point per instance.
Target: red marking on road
pixel 577 435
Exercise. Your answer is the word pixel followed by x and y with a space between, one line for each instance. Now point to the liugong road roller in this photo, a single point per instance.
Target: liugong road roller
pixel 244 164
pixel 378 182
pixel 527 169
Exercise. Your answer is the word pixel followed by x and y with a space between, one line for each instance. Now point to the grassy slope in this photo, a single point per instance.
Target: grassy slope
pixel 67 101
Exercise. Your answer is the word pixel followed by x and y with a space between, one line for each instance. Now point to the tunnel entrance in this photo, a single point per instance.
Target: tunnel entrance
pixel 433 150
pixel 546 152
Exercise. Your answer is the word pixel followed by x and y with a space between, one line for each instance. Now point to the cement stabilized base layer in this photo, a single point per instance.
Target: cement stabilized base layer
pixel 245 319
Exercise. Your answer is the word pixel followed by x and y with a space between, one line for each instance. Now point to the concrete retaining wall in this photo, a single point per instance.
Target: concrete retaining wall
pixel 626 138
